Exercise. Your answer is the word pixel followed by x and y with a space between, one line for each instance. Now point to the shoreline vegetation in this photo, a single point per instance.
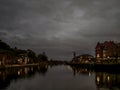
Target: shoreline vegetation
pixel 94 67
pixel 14 57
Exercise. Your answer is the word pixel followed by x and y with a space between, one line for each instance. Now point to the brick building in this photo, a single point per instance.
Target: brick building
pixel 107 50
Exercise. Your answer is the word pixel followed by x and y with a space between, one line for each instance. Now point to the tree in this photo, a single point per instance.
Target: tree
pixel 3 45
pixel 42 57
pixel 32 56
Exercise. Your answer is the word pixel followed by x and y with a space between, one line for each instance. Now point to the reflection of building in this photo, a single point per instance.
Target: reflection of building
pixel 85 58
pixel 107 80
pixel 77 70
pixel 8 75
pixel 107 50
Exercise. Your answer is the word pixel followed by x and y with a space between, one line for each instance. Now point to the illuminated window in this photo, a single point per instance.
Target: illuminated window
pixel 98 55
pixel 104 55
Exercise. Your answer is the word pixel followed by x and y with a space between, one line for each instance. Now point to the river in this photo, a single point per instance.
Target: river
pixel 57 78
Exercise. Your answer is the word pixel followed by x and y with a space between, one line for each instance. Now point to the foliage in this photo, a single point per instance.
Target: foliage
pixel 4 45
pixel 42 57
pixel 31 54
pixel 14 53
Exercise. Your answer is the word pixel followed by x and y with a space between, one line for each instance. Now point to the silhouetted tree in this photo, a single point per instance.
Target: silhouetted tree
pixel 31 55
pixel 42 57
pixel 4 45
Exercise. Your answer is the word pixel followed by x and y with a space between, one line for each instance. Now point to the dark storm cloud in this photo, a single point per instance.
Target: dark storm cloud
pixel 59 27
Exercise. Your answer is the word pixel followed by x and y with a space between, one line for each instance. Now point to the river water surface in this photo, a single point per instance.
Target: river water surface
pixel 57 78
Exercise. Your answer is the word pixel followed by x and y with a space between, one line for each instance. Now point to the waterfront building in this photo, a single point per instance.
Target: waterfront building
pixel 107 50
pixel 6 58
pixel 84 58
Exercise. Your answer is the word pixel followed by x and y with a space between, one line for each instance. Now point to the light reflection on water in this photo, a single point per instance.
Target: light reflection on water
pixel 57 78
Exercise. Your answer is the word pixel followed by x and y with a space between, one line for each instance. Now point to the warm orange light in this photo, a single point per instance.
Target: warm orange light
pixel 104 55
pixel 108 78
pixel 98 79
pixel 18 72
pixel 98 55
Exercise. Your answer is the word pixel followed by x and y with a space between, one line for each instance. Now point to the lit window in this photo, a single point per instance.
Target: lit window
pixel 104 55
pixel 98 55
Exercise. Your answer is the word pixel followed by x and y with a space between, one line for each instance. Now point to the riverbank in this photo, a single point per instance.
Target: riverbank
pixel 23 65
pixel 98 67
pixel 51 63
pixel 90 66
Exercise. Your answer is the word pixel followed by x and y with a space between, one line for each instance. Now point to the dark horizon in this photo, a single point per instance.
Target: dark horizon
pixel 59 27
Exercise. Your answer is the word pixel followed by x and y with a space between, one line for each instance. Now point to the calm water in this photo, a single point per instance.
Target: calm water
pixel 57 78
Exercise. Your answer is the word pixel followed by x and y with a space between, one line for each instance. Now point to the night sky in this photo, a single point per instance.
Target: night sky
pixel 59 27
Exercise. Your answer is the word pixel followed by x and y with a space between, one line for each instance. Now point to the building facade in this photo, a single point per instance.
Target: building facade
pixel 107 50
pixel 6 58
pixel 84 58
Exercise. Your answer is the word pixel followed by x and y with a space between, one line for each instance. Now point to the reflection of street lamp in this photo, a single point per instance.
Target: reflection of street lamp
pixel 18 72
pixel 108 78
pixel 98 79
pixel 89 74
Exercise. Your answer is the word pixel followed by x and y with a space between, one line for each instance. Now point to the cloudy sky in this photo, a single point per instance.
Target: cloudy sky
pixel 59 27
